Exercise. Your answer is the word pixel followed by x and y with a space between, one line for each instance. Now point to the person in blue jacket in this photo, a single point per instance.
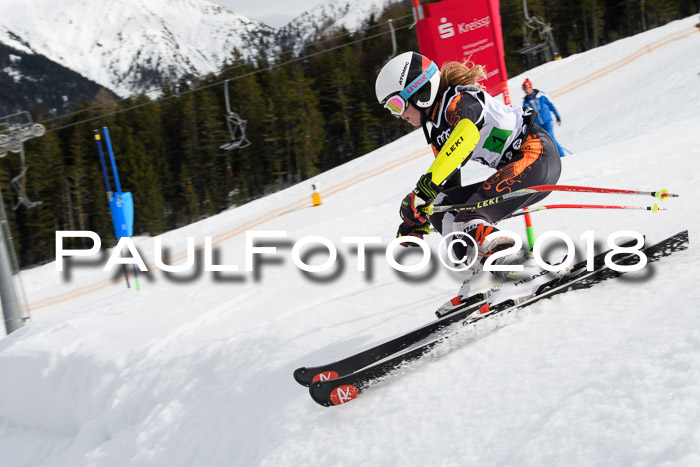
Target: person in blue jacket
pixel 538 100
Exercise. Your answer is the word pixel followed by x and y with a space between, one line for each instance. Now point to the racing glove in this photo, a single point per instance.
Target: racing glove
pixel 406 230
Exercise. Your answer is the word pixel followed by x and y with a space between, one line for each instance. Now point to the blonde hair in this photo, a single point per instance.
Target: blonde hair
pixel 461 73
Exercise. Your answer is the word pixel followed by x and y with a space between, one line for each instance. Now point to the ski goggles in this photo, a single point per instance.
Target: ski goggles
pixel 397 103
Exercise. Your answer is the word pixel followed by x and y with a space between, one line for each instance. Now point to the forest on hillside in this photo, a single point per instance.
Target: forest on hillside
pixel 304 115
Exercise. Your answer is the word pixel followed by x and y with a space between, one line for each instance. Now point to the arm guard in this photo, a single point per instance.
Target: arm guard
pixel 455 153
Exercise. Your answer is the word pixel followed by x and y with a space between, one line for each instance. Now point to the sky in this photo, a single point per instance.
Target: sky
pixel 275 13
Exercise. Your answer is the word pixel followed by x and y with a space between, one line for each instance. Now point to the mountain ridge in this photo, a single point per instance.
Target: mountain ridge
pixel 141 45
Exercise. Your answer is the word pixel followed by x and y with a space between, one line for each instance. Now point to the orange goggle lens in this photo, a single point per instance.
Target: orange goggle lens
pixel 396 105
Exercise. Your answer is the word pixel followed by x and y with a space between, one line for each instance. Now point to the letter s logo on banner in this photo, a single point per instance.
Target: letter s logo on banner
pixel 446 29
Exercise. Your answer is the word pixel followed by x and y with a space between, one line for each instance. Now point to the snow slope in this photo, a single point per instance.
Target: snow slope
pixel 197 370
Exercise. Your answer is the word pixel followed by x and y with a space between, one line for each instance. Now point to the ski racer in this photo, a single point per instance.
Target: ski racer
pixel 462 122
pixel 538 101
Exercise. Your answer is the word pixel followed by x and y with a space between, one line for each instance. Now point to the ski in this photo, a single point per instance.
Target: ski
pixel 346 388
pixel 308 375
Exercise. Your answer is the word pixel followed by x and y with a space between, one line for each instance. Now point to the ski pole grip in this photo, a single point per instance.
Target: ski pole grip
pixel 429 209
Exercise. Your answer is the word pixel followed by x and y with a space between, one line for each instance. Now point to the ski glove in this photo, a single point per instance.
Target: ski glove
pixel 410 209
pixel 406 230
pixel 558 121
pixel 424 193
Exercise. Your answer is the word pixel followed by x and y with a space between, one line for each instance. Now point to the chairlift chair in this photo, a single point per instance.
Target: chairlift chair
pixel 236 126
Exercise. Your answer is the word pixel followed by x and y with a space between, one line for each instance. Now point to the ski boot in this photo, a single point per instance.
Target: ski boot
pixel 478 230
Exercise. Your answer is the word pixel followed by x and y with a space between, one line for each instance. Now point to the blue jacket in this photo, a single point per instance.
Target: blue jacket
pixel 538 100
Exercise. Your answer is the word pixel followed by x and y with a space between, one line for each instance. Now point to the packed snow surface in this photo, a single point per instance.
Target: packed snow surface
pixel 196 368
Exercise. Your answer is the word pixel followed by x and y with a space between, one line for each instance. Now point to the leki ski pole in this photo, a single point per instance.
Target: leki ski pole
pixel 662 195
pixel 655 208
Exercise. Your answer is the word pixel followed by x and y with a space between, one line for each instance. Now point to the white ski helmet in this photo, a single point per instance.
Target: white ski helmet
pixel 411 76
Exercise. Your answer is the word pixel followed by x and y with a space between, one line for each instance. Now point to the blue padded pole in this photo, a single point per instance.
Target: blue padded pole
pixel 111 158
pixel 102 160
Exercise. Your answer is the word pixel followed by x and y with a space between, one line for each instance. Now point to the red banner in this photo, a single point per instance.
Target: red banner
pixel 461 29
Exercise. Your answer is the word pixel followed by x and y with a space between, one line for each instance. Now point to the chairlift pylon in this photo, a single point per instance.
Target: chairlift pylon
pixel 538 37
pixel 393 39
pixel 236 126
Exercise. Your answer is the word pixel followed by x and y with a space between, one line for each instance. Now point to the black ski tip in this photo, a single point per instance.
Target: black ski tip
pixel 302 376
pixel 306 376
pixel 334 393
pixel 317 393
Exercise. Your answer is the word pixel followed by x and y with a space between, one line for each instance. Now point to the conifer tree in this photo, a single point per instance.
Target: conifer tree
pixel 212 159
pixel 190 168
pixel 302 122
pixel 252 97
pixel 36 227
pixel 140 177
pixel 77 175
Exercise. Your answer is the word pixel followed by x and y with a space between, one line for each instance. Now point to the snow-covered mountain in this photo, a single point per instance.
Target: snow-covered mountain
pixel 137 45
pixel 196 368
pixel 133 45
pixel 326 17
pixel 29 80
